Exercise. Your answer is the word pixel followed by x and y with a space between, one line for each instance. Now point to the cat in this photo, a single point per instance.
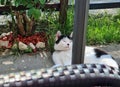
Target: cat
pixel 63 53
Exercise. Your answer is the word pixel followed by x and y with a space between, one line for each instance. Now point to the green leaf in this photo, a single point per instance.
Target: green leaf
pixel 118 20
pixel 24 3
pixel 35 13
pixel 18 2
pixel 29 50
pixel 2 2
pixel 36 1
pixel 30 5
pixel 42 1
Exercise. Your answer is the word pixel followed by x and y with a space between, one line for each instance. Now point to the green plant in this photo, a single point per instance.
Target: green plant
pixel 25 19
pixel 52 25
pixel 103 29
pixel 52 19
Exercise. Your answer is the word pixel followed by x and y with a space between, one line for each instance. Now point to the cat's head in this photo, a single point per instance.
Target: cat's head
pixel 63 42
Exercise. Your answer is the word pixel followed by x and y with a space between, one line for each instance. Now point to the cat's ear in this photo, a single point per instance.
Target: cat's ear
pixel 71 35
pixel 58 34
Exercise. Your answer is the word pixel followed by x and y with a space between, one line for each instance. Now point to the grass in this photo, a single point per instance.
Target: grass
pixel 101 29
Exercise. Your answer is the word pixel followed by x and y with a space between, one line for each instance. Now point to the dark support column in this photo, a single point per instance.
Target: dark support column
pixel 80 24
pixel 63 11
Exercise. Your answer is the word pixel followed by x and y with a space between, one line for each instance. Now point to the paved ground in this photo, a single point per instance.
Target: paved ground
pixel 39 60
pixel 25 62
pixel 114 50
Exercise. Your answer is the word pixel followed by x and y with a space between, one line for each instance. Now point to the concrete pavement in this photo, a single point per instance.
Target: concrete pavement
pixel 40 60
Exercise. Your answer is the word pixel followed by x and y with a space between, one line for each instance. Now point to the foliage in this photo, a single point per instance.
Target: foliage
pixel 51 25
pixel 25 19
pixel 50 21
pixel 33 6
pixel 103 29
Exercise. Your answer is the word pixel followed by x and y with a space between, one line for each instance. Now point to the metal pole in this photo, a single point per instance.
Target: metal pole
pixel 80 24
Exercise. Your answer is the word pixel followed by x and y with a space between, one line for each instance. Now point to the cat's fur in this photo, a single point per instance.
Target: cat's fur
pixel 63 53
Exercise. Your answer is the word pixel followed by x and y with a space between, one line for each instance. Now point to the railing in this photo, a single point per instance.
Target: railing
pixel 104 4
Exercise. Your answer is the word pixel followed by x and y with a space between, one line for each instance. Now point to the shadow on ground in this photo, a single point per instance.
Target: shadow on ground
pixel 25 62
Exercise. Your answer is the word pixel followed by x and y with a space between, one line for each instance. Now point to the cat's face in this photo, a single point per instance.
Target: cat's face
pixel 62 42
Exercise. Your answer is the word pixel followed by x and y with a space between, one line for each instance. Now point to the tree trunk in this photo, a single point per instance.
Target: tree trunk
pixel 63 12
pixel 19 19
pixel 29 24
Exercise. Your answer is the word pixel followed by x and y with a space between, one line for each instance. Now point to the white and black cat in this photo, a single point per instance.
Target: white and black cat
pixel 63 53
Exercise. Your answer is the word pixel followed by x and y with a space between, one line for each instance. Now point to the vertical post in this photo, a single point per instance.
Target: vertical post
pixel 80 23
pixel 63 12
